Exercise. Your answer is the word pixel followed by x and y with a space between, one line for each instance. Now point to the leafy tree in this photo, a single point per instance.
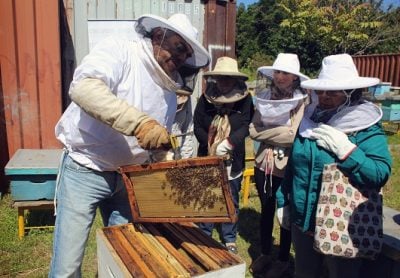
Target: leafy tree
pixel 245 35
pixel 314 29
pixel 387 40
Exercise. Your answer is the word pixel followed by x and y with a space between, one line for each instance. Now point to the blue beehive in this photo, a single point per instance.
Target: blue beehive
pixel 380 89
pixel 390 114
pixel 33 174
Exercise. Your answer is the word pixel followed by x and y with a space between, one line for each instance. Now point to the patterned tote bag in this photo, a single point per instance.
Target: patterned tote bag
pixel 348 221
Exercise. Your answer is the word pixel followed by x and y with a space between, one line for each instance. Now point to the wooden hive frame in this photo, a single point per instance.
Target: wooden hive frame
pixel 167 250
pixel 186 190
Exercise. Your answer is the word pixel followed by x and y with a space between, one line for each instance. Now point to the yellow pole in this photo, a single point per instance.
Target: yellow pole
pixel 21 223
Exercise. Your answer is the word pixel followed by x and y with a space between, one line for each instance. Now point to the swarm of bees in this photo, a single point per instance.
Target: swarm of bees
pixel 198 186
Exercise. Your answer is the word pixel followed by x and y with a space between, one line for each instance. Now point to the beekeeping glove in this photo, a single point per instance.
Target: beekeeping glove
pixel 283 217
pixel 151 135
pixel 333 140
pixel 223 148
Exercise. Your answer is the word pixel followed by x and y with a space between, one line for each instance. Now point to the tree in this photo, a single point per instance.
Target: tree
pixel 245 35
pixel 317 28
pixel 256 40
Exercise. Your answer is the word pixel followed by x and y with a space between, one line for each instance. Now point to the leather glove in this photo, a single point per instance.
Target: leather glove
pixel 333 140
pixel 283 215
pixel 151 135
pixel 223 148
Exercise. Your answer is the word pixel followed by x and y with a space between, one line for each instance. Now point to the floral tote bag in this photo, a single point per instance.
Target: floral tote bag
pixel 348 221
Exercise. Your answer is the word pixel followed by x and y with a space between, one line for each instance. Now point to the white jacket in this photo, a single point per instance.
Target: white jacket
pixel 132 74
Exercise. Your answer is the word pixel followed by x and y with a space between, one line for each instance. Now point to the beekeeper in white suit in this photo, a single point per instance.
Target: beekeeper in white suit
pixel 123 104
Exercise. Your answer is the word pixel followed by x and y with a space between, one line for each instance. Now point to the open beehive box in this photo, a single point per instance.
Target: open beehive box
pixel 163 250
pixel 187 190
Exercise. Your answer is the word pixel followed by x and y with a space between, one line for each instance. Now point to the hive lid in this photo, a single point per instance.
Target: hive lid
pixel 34 162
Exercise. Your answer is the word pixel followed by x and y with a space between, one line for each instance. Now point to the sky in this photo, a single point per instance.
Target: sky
pixel 245 2
pixel 386 2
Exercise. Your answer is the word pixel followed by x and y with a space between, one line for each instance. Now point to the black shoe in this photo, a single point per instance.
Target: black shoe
pixel 277 269
pixel 258 265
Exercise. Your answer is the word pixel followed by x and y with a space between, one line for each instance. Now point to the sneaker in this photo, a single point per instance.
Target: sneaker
pixel 277 269
pixel 232 248
pixel 260 263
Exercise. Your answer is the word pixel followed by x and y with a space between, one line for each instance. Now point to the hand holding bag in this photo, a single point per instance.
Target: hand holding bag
pixel 348 220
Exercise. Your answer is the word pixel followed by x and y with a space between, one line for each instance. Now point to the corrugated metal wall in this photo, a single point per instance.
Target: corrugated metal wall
pixel 80 11
pixel 30 73
pixel 3 140
pixel 384 66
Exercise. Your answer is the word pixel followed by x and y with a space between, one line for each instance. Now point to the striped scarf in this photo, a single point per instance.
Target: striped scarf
pixel 217 132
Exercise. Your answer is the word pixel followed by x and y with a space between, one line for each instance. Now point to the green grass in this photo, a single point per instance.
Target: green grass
pixel 30 257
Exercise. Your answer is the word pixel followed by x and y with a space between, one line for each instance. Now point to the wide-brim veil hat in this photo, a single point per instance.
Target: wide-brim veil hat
pixel 180 24
pixel 226 66
pixel 338 72
pixel 287 62
pixel 212 95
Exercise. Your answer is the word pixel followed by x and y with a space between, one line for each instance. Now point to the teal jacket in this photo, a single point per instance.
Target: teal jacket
pixel 369 165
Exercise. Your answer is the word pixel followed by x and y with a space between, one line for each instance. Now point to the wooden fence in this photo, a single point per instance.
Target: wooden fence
pixel 384 66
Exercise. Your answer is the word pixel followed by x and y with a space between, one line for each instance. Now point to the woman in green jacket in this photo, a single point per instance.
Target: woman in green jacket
pixel 338 127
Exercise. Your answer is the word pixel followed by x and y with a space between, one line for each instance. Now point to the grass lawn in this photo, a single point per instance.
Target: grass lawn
pixel 30 257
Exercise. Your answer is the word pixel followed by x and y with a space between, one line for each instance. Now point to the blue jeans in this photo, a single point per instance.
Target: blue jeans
pixel 79 193
pixel 308 262
pixel 228 230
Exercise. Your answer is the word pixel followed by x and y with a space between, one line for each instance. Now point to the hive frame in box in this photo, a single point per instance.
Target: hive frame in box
pixel 157 194
pixel 163 250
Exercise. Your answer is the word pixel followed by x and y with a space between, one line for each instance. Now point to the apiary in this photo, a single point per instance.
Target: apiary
pixel 381 88
pixel 186 190
pixel 163 250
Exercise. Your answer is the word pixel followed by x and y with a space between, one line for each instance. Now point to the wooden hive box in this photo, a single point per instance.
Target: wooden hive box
pixel 33 174
pixel 186 190
pixel 163 250
pixel 390 114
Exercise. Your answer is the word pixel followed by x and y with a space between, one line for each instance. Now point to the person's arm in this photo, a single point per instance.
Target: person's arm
pixel 91 90
pixel 364 156
pixel 96 99
pixel 246 113
pixel 369 165
pixel 281 136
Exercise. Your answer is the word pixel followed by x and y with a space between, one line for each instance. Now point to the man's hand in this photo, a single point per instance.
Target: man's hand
pixel 151 135
pixel 333 140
